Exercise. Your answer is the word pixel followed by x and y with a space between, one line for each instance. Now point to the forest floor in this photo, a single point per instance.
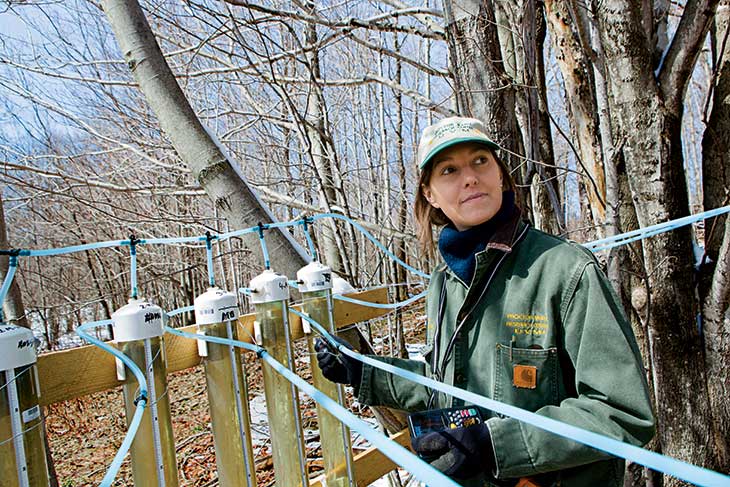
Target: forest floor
pixel 85 433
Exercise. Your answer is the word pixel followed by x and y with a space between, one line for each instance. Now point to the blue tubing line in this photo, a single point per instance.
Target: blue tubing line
pixel 379 305
pixel 12 267
pixel 172 240
pixel 658 228
pixel 417 467
pixel 133 271
pixel 677 468
pixel 372 239
pixel 209 258
pixel 178 311
pixel 75 248
pixel 141 403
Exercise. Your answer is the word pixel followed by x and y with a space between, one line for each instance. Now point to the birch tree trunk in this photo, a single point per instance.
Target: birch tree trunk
pixel 206 159
pixel 647 112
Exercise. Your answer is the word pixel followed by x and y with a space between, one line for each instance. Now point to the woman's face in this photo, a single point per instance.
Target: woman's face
pixel 466 184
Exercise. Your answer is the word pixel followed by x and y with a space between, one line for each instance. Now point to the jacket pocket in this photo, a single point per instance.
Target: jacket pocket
pixel 525 377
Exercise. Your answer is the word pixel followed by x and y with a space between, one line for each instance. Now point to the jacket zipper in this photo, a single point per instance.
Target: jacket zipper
pixel 452 340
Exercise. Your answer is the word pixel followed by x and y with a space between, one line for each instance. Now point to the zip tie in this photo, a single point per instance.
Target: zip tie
pixel 209 256
pixel 305 224
pixel 261 227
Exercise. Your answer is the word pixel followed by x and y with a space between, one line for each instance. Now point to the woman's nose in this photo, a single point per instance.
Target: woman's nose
pixel 470 177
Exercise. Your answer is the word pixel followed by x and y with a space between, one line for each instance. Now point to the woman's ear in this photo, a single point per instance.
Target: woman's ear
pixel 426 192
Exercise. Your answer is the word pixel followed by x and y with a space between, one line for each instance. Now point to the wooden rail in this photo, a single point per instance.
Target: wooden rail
pixel 80 371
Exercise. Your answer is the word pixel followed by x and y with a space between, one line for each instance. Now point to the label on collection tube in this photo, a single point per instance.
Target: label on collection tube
pixel 31 414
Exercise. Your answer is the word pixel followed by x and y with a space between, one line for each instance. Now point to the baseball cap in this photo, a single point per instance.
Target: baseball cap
pixel 450 131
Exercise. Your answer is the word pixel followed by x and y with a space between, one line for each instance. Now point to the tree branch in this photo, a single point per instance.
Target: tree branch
pixel 676 68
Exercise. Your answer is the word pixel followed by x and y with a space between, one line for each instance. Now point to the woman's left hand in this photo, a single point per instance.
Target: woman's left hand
pixel 460 453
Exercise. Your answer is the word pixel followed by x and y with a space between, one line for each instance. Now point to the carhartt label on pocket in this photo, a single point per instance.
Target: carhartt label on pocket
pixel 525 376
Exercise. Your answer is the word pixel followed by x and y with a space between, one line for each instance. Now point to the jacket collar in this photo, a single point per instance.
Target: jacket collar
pixel 504 238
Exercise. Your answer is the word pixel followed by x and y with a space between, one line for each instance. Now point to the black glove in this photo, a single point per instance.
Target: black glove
pixel 337 366
pixel 460 453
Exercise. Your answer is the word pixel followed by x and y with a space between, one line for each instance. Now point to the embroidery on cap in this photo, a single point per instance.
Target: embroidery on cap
pixel 524 376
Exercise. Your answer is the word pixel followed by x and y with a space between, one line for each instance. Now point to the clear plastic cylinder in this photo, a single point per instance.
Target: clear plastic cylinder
pixel 282 404
pixel 149 445
pixel 229 412
pixel 335 437
pixel 20 387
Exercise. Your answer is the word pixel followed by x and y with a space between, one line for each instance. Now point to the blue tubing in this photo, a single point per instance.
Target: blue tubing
pixel 381 305
pixel 641 233
pixel 417 467
pixel 372 239
pixel 141 403
pixel 12 267
pixel 209 259
pixel 677 468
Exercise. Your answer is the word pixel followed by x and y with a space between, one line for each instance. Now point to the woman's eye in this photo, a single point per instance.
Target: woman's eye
pixel 481 160
pixel 447 170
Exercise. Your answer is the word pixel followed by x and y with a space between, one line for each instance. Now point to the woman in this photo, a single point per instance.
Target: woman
pixel 516 315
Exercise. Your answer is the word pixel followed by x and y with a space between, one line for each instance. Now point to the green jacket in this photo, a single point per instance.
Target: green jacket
pixel 539 306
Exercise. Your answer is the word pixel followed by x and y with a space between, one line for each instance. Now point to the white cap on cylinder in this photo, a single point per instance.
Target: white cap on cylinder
pixel 268 287
pixel 17 347
pixel 314 276
pixel 341 286
pixel 215 306
pixel 137 320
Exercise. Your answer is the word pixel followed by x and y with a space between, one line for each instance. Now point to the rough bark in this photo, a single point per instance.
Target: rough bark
pixel 647 120
pixel 716 298
pixel 482 87
pixel 208 162
pixel 575 66
pixel 548 202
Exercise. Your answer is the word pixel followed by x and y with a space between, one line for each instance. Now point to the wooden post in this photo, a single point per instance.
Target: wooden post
pixel 315 284
pixel 138 330
pixel 215 315
pixel 270 294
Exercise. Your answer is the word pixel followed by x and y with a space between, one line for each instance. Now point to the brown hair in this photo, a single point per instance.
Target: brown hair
pixel 427 216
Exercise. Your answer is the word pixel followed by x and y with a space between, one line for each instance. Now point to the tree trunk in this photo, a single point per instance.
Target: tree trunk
pixel 716 296
pixel 647 119
pixel 482 87
pixel 575 66
pixel 203 155
pixel 323 156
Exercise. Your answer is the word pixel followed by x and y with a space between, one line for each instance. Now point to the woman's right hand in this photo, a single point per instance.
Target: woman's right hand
pixel 337 366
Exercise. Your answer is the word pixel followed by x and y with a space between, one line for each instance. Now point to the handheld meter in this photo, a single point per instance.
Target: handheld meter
pixel 433 420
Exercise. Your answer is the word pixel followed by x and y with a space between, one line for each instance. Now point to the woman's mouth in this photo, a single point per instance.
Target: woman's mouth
pixel 473 197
